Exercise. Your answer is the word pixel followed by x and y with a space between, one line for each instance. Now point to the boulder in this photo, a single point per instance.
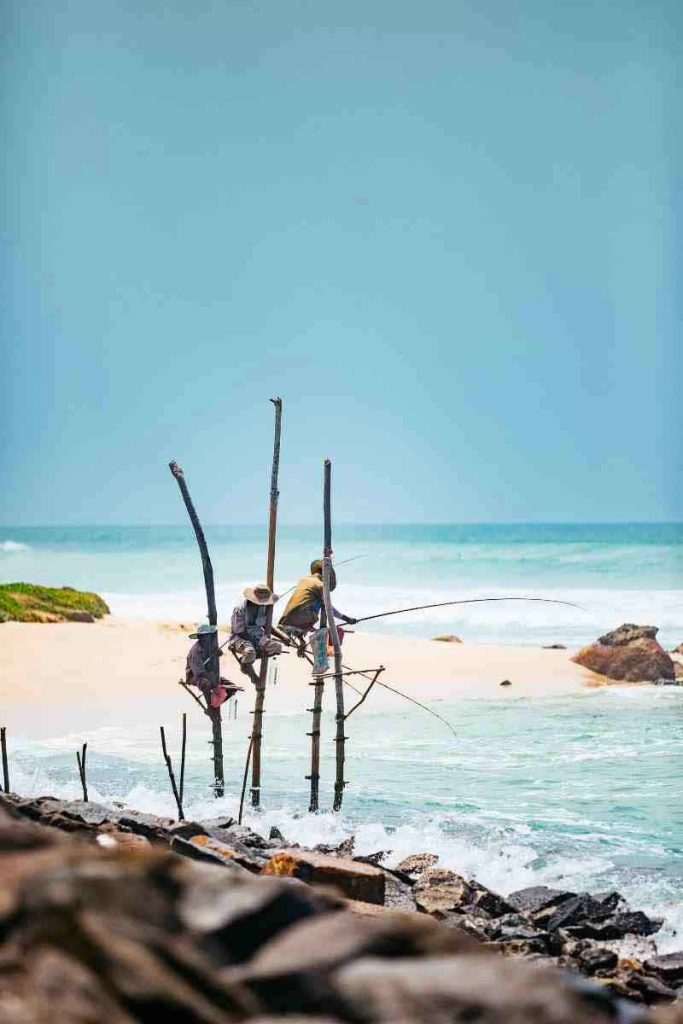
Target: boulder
pixel 441 898
pixel 351 878
pixel 629 654
pixel 678 650
pixel 417 864
pixel 668 966
pixel 448 639
pixel 487 989
pixel 537 897
pixel 626 634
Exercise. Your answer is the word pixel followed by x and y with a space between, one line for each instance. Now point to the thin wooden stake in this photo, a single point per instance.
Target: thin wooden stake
pixel 340 738
pixel 257 727
pixel 183 745
pixel 212 665
pixel 5 765
pixel 244 779
pixel 80 759
pixel 171 776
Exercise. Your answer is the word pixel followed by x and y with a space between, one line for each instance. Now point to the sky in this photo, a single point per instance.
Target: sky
pixel 447 234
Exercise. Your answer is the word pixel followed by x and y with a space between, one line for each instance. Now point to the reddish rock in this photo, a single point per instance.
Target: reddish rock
pixel 448 639
pixel 632 660
pixel 353 879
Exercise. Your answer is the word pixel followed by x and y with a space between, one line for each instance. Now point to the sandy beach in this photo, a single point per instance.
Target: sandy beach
pixel 75 677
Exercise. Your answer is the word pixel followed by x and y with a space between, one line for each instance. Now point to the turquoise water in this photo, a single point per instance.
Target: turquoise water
pixel 626 572
pixel 582 791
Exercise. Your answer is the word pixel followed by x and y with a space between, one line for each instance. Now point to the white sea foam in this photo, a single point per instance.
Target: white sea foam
pixel 9 546
pixel 498 621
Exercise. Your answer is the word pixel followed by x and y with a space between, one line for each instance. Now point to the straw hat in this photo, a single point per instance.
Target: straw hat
pixel 260 594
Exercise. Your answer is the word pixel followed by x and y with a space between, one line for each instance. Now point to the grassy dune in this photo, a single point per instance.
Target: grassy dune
pixel 27 602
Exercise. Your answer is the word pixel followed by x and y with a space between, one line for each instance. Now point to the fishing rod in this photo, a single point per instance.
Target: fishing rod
pixel 345 561
pixel 469 600
pixel 412 700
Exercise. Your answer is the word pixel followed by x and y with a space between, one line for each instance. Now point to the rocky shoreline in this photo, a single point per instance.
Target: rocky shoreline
pixel 366 918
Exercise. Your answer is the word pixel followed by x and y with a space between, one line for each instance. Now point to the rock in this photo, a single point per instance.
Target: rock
pixel 253 857
pixel 123 840
pixel 328 941
pixel 185 830
pixel 573 911
pixel 616 926
pixel 505 682
pixel 276 834
pixel 678 650
pixel 448 639
pixel 490 902
pixel 610 900
pixel 343 849
pixel 232 916
pixel 441 899
pixel 417 864
pixel 209 850
pixel 668 966
pixel 79 617
pixel 537 897
pixel 374 858
pixel 356 881
pixel 640 660
pixel 596 958
pixel 626 634
pixel 488 990
pixel 555 647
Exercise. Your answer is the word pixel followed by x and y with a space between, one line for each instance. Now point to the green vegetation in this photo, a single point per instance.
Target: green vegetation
pixel 27 602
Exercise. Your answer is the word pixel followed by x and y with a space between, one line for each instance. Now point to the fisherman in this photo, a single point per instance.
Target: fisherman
pixel 250 638
pixel 303 607
pixel 199 674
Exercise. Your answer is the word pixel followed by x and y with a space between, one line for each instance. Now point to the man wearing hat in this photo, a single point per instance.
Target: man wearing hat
pixel 250 638
pixel 196 673
pixel 303 607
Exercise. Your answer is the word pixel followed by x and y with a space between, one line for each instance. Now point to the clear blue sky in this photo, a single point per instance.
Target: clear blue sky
pixel 448 234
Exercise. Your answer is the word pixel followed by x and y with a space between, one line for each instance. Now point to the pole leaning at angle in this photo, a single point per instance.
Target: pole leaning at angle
pixel 340 738
pixel 257 727
pixel 213 667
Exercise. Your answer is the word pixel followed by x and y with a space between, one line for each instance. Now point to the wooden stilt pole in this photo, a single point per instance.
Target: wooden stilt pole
pixel 169 768
pixel 340 738
pixel 183 747
pixel 257 727
pixel 5 765
pixel 318 685
pixel 80 759
pixel 212 667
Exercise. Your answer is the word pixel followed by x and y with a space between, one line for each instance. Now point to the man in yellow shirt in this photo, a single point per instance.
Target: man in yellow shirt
pixel 303 607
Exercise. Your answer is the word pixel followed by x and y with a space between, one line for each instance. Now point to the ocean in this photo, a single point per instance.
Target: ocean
pixel 581 791
pixel 616 573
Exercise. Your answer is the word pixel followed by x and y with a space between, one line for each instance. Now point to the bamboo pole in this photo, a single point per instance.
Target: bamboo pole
pixel 340 738
pixel 212 666
pixel 80 759
pixel 169 768
pixel 5 765
pixel 257 727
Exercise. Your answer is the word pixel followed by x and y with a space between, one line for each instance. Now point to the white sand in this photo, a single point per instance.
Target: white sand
pixel 72 677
